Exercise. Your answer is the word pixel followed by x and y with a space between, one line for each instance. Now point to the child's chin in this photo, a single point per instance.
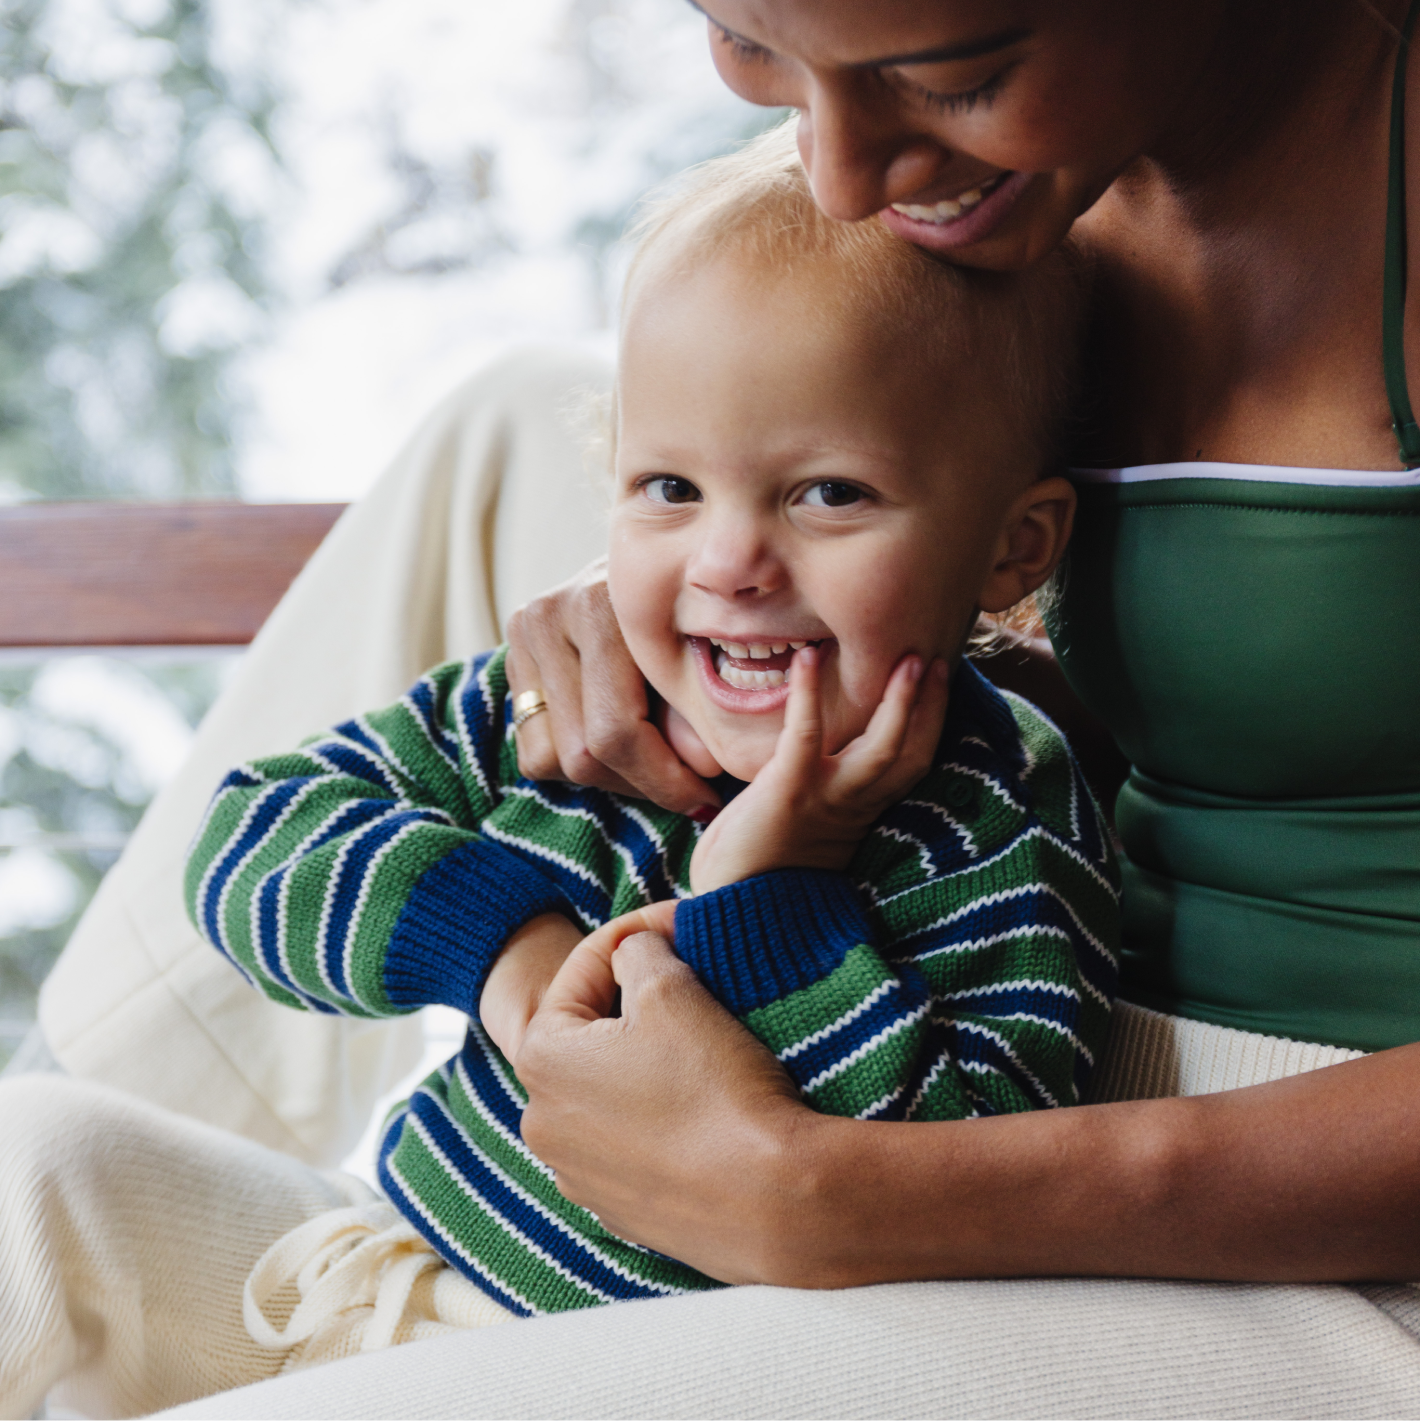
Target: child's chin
pixel 744 762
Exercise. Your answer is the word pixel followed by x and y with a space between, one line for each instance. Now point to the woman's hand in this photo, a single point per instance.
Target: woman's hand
pixel 806 809
pixel 520 977
pixel 596 729
pixel 669 1121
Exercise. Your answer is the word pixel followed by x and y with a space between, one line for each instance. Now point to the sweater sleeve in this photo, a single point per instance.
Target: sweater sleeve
pixel 790 953
pixel 968 971
pixel 350 875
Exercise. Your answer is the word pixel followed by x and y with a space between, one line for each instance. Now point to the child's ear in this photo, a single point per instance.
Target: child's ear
pixel 1031 543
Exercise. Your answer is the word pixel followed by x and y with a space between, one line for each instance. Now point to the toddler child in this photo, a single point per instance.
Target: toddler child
pixel 830 458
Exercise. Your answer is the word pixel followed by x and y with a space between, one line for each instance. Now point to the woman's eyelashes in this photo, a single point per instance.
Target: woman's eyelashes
pixel 742 49
pixel 668 488
pixel 963 101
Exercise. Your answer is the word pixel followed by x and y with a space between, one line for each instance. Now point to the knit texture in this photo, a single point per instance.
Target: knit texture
pixel 964 965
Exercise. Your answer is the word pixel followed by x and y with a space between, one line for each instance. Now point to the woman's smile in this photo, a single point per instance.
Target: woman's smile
pixel 962 221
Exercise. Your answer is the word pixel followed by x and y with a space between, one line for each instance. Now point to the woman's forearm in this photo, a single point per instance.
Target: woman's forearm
pixel 1309 1179
pixel 681 1132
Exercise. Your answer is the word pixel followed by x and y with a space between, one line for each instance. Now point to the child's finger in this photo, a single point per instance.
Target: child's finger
pixel 800 745
pixel 874 752
pixel 924 731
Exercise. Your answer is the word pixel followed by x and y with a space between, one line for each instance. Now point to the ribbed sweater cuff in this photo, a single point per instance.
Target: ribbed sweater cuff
pixel 457 920
pixel 754 942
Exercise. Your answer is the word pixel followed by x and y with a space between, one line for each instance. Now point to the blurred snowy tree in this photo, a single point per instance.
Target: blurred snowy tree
pixel 243 245
pixel 130 246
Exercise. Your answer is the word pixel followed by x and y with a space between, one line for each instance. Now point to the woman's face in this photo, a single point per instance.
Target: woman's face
pixel 980 129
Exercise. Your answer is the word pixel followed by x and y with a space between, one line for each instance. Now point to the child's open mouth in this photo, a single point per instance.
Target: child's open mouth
pixel 753 666
pixel 754 670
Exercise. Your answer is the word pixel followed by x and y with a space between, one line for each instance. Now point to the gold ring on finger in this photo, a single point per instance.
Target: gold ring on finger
pixel 527 704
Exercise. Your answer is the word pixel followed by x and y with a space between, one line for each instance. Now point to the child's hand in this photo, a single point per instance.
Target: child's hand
pixel 806 809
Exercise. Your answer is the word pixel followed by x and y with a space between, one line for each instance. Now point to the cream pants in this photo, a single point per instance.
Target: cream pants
pixel 130 1224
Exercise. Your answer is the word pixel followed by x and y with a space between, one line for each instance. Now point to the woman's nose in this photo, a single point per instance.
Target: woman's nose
pixel 859 154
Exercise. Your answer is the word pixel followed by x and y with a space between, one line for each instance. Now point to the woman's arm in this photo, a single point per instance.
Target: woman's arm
pixel 682 1133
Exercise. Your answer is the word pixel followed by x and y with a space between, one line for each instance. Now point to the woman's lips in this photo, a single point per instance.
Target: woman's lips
pixel 974 222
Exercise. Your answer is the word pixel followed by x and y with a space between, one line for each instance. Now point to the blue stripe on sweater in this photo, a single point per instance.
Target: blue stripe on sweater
pixel 485 732
pixel 476 1171
pixel 1035 908
pixel 268 917
pixel 944 845
pixel 407 1206
pixel 269 809
pixel 488 1088
pixel 358 764
pixel 349 883
pixel 903 999
pixel 1062 1007
pixel 423 697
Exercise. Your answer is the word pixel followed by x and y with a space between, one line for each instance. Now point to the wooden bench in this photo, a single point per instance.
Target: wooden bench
pixel 150 574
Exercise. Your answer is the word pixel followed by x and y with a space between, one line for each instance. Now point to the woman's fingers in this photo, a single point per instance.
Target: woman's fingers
pixel 667 1122
pixel 595 730
pixel 586 984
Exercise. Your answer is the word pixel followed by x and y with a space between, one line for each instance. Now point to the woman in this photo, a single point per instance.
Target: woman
pixel 1239 321
pixel 1228 164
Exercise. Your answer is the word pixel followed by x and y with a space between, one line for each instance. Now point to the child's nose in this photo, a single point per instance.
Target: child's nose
pixel 734 560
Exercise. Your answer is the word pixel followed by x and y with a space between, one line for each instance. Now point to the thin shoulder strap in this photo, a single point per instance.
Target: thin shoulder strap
pixel 1407 432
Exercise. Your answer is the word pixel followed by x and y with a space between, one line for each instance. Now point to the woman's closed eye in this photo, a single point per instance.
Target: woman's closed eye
pixel 667 488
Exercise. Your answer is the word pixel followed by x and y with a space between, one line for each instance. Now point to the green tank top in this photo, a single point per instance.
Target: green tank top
pixel 1251 635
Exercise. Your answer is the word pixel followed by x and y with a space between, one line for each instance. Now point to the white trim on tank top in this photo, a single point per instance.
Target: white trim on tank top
pixel 1255 473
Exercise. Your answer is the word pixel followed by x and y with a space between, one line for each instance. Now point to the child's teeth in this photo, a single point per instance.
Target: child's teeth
pixel 737 649
pixel 743 679
pixel 798 645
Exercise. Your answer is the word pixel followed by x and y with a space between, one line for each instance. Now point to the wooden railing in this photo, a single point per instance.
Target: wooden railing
pixel 150 574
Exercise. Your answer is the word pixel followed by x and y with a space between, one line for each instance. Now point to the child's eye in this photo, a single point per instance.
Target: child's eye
pixel 833 495
pixel 666 488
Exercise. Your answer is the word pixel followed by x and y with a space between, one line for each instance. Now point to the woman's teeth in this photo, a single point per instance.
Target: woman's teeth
pixel 952 208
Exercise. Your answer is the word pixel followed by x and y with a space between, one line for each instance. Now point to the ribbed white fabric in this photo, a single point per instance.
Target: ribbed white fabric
pixel 1152 1056
pixel 127 1234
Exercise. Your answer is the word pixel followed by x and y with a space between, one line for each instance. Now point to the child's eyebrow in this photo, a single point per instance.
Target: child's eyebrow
pixel 942 54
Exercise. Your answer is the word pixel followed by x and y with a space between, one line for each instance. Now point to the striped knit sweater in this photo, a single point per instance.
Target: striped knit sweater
pixel 964 965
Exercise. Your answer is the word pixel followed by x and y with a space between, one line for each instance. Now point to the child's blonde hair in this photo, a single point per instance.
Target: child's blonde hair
pixel 757 202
